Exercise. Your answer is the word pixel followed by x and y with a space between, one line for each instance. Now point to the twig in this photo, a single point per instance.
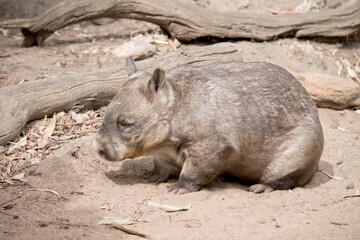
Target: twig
pixel 339 224
pixel 129 231
pixel 356 56
pixel 357 194
pixel 3 204
pixel 332 177
pixel 45 190
pixel 62 223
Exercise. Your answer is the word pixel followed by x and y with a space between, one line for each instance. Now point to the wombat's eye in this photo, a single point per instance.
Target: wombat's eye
pixel 126 123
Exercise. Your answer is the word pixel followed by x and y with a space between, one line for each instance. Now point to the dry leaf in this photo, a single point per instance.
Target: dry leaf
pixel 177 43
pixel 169 208
pixel 48 132
pixel 332 177
pixel 60 116
pixel 18 176
pixel 172 44
pixel 109 220
pixel 108 208
pixel 76 117
pixel 18 145
pixel 45 190
pixel 129 231
pixel 118 223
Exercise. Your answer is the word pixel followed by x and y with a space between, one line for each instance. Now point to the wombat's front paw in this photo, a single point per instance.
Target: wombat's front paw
pixel 260 188
pixel 180 188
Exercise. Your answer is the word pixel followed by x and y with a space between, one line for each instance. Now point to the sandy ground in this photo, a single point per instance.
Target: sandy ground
pixel 91 188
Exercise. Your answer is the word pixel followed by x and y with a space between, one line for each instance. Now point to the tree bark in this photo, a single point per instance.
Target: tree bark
pixel 189 22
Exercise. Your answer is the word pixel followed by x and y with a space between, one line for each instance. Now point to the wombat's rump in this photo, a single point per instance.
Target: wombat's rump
pixel 251 120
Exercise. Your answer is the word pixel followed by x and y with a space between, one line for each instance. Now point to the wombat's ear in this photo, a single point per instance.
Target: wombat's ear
pixel 130 66
pixel 157 80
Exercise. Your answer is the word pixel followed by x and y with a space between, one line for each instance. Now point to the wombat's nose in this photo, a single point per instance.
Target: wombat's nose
pixel 101 152
pixel 99 148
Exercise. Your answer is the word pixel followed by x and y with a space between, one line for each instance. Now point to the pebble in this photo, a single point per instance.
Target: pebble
pixel 339 162
pixel 350 186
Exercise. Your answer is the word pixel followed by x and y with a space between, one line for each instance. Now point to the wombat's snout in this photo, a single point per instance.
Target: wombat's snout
pixel 98 147
pixel 107 149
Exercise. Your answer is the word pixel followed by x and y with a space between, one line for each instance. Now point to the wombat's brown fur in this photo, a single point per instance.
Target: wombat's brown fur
pixel 250 120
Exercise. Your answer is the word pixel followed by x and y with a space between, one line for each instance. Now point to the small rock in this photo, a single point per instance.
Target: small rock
pixel 136 48
pixel 339 162
pixel 350 186
pixel 277 225
pixel 341 129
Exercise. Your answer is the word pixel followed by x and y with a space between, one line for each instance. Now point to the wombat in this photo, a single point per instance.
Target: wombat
pixel 251 120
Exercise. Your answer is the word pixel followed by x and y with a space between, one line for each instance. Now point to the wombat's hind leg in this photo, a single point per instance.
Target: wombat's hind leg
pixel 284 183
pixel 287 182
pixel 162 171
pixel 296 161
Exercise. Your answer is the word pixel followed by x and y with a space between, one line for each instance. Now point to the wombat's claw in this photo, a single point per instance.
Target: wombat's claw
pixel 260 188
pixel 176 189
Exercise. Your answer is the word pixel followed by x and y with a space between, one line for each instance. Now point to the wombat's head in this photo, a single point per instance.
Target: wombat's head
pixel 137 121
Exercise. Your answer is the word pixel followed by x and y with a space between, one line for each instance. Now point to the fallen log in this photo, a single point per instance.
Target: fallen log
pixel 188 22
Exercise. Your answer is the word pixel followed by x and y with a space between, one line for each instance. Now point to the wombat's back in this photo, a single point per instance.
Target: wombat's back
pixel 260 95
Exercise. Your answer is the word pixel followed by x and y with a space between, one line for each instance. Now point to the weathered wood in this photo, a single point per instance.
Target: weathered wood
pixel 330 91
pixel 188 22
pixel 28 101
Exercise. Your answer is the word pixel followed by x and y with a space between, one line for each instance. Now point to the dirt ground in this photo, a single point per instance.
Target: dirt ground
pixel 91 188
